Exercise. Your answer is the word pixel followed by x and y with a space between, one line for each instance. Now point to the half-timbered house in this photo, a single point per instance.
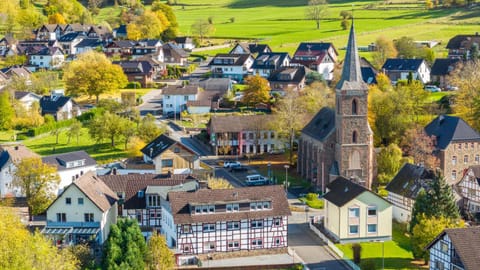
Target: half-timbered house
pixel 469 189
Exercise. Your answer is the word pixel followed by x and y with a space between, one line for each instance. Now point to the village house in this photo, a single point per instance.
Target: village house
pixel 456 249
pixel 8 45
pixel 243 134
pixel 70 166
pixel 26 99
pixel 225 220
pixel 400 69
pixel 170 156
pixel 469 190
pixel 138 71
pixel 233 66
pixel 9 156
pixel 68 42
pixel 140 195
pixel 120 32
pixel 441 69
pixel 83 213
pixel 250 48
pixel 19 72
pixel 369 72
pixel 404 188
pixel 48 32
pixel 47 58
pixel 287 78
pixel 355 214
pixel 89 44
pixel 100 32
pixel 266 63
pixel 59 106
pixel 175 97
pixel 148 47
pixel 185 43
pixel 461 46
pixel 457 145
pixel 174 55
pixel 320 57
pixel 122 48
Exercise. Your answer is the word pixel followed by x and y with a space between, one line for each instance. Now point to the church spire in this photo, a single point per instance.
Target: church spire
pixel 351 65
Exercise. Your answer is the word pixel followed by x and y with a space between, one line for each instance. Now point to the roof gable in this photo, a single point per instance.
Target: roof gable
pixel 443 66
pixel 409 180
pixel 321 125
pixel 448 129
pixel 402 64
pixel 341 191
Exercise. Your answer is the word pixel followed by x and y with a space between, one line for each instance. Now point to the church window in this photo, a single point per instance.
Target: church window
pixel 355 160
pixel 354 137
pixel 354 107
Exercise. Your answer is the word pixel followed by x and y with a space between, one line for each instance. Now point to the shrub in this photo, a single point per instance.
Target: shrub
pixel 232 19
pixel 49 127
pixel 133 85
pixel 368 265
pixel 311 196
pixel 210 20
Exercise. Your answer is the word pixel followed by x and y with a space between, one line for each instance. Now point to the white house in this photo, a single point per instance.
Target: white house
pixel 83 213
pixel 225 220
pixel 9 155
pixel 318 56
pixel 47 58
pixel 404 188
pixel 233 66
pixel 27 98
pixel 185 43
pixel 70 41
pixel 266 63
pixel 71 166
pixel 151 47
pixel 175 97
pixel 59 106
pixel 400 69
pixel 456 249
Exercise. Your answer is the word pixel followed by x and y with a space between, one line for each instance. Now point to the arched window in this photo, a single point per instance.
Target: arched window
pixel 354 137
pixel 354 161
pixel 354 107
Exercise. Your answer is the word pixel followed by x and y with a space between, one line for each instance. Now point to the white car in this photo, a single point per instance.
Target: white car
pixel 229 164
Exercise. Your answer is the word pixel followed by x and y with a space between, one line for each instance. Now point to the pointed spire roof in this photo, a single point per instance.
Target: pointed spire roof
pixel 351 72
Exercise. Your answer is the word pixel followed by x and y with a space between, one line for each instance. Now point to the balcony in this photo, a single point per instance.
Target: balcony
pixel 73 224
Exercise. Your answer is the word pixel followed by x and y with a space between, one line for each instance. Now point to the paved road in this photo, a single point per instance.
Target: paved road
pixel 152 103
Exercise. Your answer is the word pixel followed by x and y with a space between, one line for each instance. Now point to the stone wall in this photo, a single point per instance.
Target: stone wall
pixel 241 253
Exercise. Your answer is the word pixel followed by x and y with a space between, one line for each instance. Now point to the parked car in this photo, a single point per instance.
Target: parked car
pixel 432 88
pixel 451 88
pixel 238 168
pixel 229 164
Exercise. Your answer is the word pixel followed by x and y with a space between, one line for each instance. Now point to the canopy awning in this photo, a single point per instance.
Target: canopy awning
pixel 92 231
pixel 57 230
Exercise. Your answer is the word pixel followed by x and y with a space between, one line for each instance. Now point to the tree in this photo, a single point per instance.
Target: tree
pixel 134 147
pixel 38 181
pixel 6 111
pixel 407 48
pixel 384 49
pixel 426 230
pixel 108 126
pixel 172 30
pixel 93 74
pixel 150 24
pixel 125 247
pixel 94 6
pixel 56 18
pixel 202 28
pixel 418 145
pixel 75 130
pixel 218 183
pixel 389 161
pixel 257 90
pixel 20 249
pixel 159 255
pixel 148 129
pixel 315 10
pixel 56 132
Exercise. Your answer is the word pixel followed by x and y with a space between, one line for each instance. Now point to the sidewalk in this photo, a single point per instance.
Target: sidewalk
pixel 254 260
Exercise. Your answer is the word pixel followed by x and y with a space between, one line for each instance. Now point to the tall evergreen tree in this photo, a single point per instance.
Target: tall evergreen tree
pixel 125 248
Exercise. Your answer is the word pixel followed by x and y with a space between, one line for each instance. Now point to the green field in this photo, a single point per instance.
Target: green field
pixel 282 23
pixel 103 153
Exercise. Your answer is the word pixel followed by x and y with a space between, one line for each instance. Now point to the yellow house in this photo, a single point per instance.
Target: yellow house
pixel 355 214
pixel 171 156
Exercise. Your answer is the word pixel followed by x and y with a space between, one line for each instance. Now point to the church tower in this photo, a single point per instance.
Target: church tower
pixel 354 137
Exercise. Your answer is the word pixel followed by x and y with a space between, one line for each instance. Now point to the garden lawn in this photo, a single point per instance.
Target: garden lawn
pixel 6 135
pixel 397 253
pixel 139 93
pixel 103 153
pixel 435 97
pixel 316 203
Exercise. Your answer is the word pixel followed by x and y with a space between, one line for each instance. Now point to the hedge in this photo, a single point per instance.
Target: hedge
pixel 49 127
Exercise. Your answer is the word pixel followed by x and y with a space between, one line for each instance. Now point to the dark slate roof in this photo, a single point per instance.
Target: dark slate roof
pixel 312 48
pixel 148 42
pixel 131 184
pixel 122 30
pixel 466 242
pixel 183 40
pixel 50 104
pixel 369 73
pixel 271 60
pixel 447 129
pixel 223 59
pixel 121 44
pixel 171 49
pixel 135 66
pixel 181 201
pixel 409 180
pixel 322 124
pixel 159 145
pixel 89 42
pixel 402 64
pixel 60 160
pixel 70 36
pixel 4 157
pixel 288 74
pixel 48 51
pixel 443 66
pixel 212 84
pixel 342 190
pixel 238 123
pixel 351 78
pixel 463 41
pixel 258 48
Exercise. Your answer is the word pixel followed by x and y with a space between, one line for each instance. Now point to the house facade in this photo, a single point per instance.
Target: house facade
pixel 170 156
pixel 83 213
pixel 404 188
pixel 247 134
pixel 228 220
pixel 175 97
pixel 457 249
pixel 469 189
pixel 69 42
pixel 320 57
pixel 27 98
pixel 400 69
pixel 457 145
pixel 47 58
pixel 355 214
pixel 138 71
pixel 233 66
pixel 266 63
pixel 71 166
pixel 59 106
pixel 441 69
pixel 461 46
pixel 287 78
pixel 9 156
pixel 174 55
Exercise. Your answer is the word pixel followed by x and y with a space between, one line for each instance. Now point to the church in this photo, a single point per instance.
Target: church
pixel 339 141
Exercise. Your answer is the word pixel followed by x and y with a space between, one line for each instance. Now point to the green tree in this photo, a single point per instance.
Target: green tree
pixel 389 161
pixel 148 129
pixel 202 28
pixel 218 183
pixel 125 247
pixel 107 126
pixel 93 74
pixel 384 49
pixel 38 181
pixel 316 10
pixel 172 30
pixel 75 130
pixel 407 48
pixel 159 256
pixel 257 90
pixel 56 132
pixel 6 111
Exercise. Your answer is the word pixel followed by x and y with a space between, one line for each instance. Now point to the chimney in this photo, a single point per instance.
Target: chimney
pixel 16 147
pixel 114 171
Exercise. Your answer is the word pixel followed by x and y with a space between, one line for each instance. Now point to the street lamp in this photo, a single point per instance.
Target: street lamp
pixel 286 177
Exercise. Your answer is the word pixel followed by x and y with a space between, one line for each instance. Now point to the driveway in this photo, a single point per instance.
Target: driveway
pixel 152 103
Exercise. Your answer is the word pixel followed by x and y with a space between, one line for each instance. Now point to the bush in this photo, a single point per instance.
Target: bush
pixel 368 265
pixel 311 196
pixel 49 127
pixel 133 85
pixel 232 19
